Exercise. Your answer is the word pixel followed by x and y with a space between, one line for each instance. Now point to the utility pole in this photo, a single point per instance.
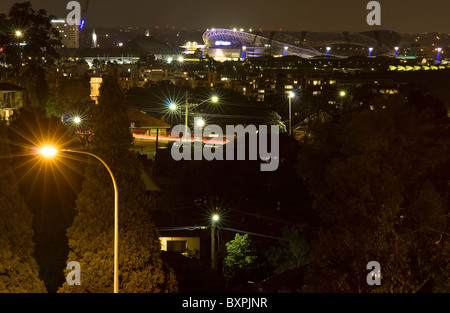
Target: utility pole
pixel 186 115
pixel 214 221
pixel 213 246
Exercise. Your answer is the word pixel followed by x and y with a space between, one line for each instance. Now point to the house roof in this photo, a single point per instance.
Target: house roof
pixel 144 120
pixel 9 87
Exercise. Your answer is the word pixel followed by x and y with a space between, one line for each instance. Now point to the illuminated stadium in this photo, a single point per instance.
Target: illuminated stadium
pixel 233 44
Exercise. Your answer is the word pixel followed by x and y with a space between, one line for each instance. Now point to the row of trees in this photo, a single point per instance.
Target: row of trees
pixel 26 65
pixel 90 237
pixel 379 180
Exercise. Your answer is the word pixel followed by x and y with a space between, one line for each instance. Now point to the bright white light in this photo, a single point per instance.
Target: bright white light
pixel 173 107
pixel 18 33
pixel 215 218
pixel 342 93
pixel 180 59
pixel 169 60
pixel 48 151
pixel 291 95
pixel 215 99
pixel 200 123
pixel 77 120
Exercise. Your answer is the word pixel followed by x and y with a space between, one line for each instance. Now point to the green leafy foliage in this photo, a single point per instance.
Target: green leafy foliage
pixel 239 257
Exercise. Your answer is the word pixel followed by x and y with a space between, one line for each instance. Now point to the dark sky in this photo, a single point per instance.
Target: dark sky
pixel 312 15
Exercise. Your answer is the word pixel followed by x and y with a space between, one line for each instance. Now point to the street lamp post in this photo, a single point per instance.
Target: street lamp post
pixel 173 107
pixel 291 95
pixel 50 152
pixel 214 220
pixel 18 34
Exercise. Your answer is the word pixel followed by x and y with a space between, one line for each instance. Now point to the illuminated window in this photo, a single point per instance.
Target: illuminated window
pixel 177 246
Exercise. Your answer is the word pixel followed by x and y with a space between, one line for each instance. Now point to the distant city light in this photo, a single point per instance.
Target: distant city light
pixel 173 107
pixel 180 59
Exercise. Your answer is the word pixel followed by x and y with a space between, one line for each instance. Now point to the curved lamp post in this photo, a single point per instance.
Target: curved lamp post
pixel 50 152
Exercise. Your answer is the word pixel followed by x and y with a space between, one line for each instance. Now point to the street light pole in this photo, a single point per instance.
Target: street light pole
pixel 116 218
pixel 214 220
pixel 186 113
pixel 291 95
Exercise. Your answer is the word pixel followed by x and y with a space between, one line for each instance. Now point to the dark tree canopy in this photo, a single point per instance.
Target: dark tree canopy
pixel 19 272
pixel 91 238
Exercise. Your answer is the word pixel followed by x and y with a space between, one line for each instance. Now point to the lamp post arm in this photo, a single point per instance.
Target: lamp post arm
pixel 116 217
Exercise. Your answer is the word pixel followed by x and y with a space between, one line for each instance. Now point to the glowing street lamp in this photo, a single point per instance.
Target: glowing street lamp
pixel 180 59
pixel 173 107
pixel 77 120
pixel 215 218
pixel 18 34
pixel 215 99
pixel 200 123
pixel 50 152
pixel 342 93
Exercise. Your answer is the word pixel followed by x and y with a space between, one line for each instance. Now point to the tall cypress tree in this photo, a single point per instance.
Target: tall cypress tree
pixel 91 236
pixel 19 272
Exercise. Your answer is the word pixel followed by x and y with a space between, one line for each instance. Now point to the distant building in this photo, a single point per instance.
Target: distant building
pixel 227 44
pixel 69 34
pixel 95 82
pixel 11 99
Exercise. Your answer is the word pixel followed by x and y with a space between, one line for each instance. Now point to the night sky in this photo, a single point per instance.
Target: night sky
pixel 411 16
